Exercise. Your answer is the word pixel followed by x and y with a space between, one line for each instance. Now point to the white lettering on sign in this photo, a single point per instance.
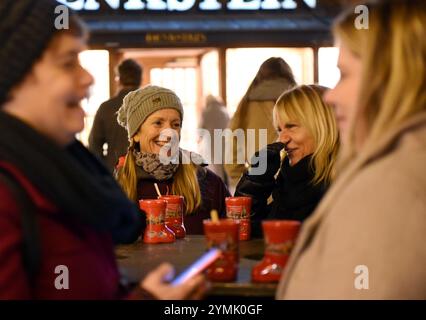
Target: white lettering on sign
pixel 289 4
pixel 156 5
pixel 243 5
pixel 180 5
pixel 185 5
pixel 134 5
pixel 270 5
pixel 210 5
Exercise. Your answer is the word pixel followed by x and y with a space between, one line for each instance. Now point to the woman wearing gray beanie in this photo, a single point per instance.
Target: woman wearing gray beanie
pixel 59 205
pixel 153 118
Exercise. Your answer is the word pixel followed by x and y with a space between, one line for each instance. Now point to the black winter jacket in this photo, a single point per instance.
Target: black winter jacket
pixel 294 197
pixel 107 130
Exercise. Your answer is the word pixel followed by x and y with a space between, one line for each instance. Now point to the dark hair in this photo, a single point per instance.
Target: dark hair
pixel 33 21
pixel 273 68
pixel 130 73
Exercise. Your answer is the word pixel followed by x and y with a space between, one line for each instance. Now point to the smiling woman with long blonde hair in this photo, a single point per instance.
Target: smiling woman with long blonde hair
pixel 152 115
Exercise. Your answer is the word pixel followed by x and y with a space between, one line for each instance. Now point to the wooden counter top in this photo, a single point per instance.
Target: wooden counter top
pixel 138 259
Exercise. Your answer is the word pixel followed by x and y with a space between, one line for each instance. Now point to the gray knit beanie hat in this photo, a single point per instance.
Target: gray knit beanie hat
pixel 140 104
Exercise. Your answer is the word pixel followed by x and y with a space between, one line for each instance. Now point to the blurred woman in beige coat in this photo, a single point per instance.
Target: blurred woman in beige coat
pixel 366 240
pixel 255 110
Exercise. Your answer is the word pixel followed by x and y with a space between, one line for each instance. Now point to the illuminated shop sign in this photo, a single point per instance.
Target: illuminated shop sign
pixel 175 38
pixel 186 5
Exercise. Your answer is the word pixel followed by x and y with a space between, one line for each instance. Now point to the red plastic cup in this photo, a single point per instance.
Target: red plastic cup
pixel 280 236
pixel 174 215
pixel 223 234
pixel 239 208
pixel 156 230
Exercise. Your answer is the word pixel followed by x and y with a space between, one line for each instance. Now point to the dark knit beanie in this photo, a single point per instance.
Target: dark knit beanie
pixel 26 28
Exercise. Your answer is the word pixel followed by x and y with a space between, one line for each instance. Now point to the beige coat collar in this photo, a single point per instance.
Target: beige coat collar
pixel 369 154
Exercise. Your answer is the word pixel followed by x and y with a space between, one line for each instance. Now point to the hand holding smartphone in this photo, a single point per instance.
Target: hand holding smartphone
pixel 198 266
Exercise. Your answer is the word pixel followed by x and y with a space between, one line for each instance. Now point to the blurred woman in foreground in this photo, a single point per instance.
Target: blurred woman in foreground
pixel 60 207
pixel 366 238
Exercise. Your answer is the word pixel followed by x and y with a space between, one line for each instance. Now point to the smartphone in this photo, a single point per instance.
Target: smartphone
pixel 198 266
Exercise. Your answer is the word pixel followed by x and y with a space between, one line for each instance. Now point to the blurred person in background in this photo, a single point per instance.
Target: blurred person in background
pixel 59 205
pixel 214 116
pixel 105 128
pixel 255 110
pixel 366 238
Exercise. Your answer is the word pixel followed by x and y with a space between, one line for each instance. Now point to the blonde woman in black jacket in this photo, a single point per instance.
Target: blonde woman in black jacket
pixel 300 166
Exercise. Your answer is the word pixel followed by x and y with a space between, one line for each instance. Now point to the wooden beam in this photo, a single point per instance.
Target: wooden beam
pixel 114 59
pixel 316 64
pixel 222 74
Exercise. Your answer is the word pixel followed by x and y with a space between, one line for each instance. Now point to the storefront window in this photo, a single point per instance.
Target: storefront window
pixel 210 73
pixel 183 82
pixel 328 72
pixel 243 64
pixel 97 63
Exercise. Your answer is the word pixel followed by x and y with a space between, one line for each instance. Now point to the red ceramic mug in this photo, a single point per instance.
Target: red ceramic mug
pixel 174 215
pixel 223 234
pixel 239 208
pixel 280 236
pixel 156 230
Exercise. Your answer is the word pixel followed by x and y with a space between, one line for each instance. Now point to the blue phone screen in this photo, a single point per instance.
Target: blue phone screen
pixel 198 266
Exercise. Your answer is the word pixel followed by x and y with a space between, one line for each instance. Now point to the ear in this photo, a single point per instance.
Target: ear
pixel 136 137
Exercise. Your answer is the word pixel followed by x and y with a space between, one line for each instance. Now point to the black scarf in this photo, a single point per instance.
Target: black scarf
pixel 301 172
pixel 72 178
pixel 295 197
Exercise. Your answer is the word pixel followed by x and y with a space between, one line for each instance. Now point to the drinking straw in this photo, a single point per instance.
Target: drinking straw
pixel 283 154
pixel 214 216
pixel 157 189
